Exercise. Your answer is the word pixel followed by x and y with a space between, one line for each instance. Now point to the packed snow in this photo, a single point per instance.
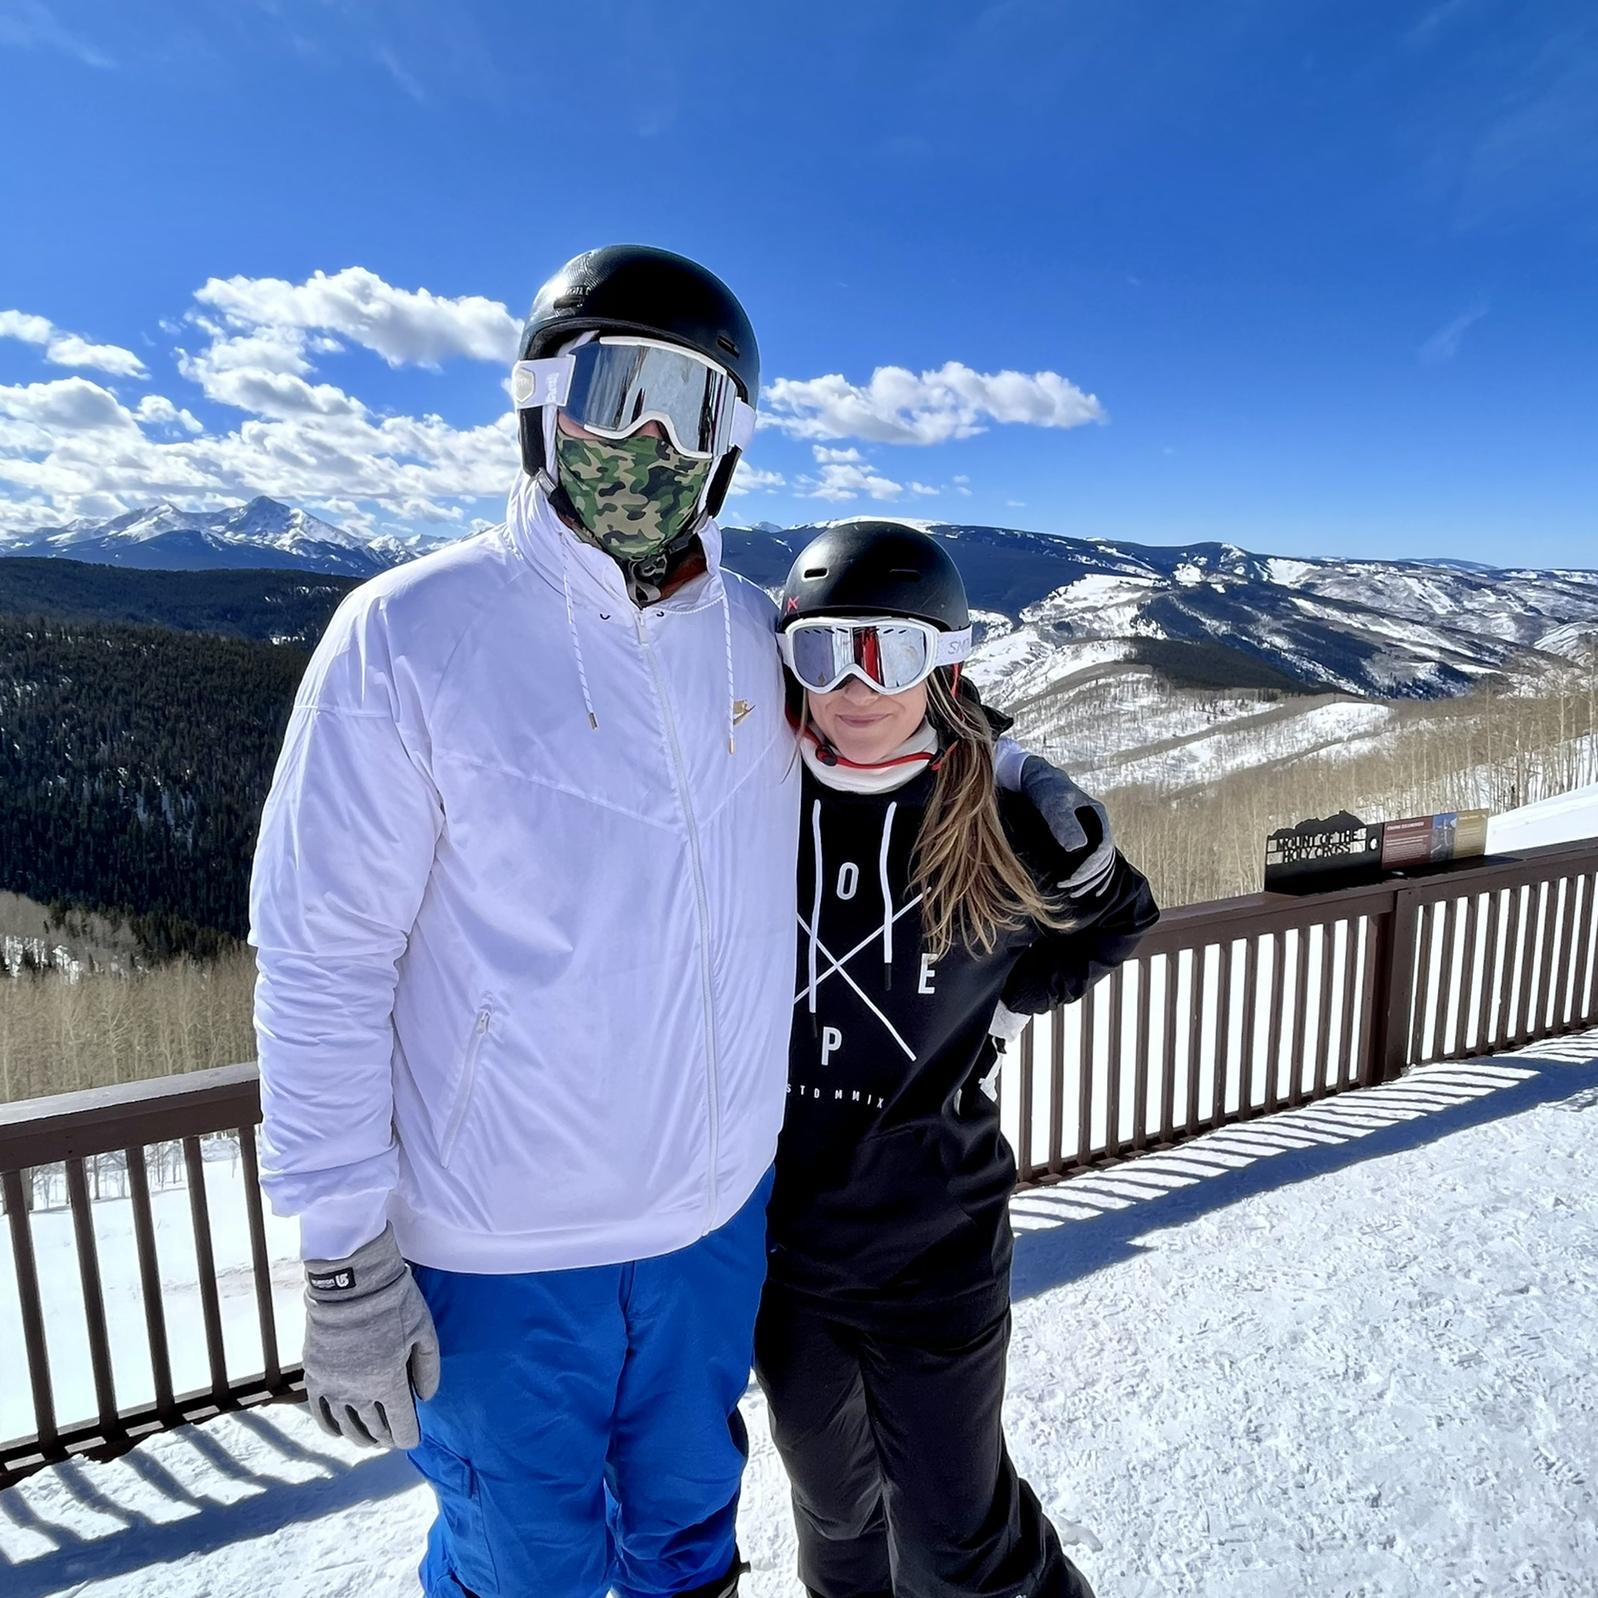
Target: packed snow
pixel 1342 1351
pixel 1565 818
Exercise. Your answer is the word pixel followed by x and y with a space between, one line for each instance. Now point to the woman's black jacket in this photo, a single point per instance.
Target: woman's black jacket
pixel 892 1176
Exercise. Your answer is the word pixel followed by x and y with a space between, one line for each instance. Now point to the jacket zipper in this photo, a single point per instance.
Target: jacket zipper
pixel 712 1098
pixel 463 1095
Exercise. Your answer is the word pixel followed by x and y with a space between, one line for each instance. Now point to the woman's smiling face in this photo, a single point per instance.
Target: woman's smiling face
pixel 863 725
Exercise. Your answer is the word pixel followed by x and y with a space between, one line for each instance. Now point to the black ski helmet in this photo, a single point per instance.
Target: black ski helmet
pixel 875 568
pixel 633 288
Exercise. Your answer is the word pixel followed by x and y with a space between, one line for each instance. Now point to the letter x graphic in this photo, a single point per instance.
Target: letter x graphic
pixel 838 965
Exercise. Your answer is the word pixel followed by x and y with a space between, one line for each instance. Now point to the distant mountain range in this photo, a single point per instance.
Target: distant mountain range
pixel 1048 607
pixel 263 533
pixel 1052 606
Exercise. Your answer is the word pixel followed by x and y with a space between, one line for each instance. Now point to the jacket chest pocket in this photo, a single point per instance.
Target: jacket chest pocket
pixel 464 1084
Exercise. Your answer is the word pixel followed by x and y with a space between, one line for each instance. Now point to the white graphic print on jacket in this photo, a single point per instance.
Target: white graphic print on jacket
pixel 866 966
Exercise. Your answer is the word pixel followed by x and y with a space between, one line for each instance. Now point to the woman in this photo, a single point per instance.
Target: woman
pixel 928 915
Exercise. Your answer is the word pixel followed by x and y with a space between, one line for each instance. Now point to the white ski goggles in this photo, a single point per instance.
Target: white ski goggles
pixel 612 385
pixel 887 653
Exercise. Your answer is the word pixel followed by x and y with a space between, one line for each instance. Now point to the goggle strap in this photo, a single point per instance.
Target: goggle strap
pixel 953 647
pixel 542 382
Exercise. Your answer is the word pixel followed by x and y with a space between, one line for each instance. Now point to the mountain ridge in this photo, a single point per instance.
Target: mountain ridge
pixel 1044 602
pixel 260 533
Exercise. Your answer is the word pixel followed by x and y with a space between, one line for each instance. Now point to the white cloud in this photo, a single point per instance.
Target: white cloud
pixel 1015 504
pixel 898 406
pixel 269 349
pixel 1444 344
pixel 24 515
pixel 754 479
pixel 31 25
pixel 842 481
pixel 72 438
pixel 404 326
pixel 280 394
pixel 68 349
pixel 30 329
pixel 823 454
pixel 924 488
pixel 264 372
pixel 156 409
pixel 69 402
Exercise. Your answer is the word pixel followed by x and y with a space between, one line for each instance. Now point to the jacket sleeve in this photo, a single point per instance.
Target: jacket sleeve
pixel 1061 966
pixel 345 850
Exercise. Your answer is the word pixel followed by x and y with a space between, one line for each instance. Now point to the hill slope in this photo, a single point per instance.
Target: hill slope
pixel 270 606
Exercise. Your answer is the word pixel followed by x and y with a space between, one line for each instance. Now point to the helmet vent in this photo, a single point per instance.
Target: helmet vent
pixel 906 573
pixel 727 344
pixel 814 572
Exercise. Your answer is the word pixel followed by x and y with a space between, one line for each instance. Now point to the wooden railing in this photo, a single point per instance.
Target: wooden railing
pixel 1242 1007
pixel 1229 1011
pixel 73 1130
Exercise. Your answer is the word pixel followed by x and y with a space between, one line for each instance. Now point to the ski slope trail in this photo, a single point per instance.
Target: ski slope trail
pixel 1236 726
pixel 1343 1351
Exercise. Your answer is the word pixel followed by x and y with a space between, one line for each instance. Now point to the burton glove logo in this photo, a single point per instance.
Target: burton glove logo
pixel 334 1281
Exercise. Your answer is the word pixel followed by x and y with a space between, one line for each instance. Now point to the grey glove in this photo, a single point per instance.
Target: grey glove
pixel 369 1340
pixel 1077 820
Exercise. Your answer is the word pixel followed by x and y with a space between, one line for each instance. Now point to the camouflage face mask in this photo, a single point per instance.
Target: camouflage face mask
pixel 632 496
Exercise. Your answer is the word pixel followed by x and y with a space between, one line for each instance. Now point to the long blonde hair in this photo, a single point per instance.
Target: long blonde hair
pixel 974 887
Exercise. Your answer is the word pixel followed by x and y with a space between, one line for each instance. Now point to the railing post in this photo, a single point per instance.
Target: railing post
pixel 27 1199
pixel 1392 993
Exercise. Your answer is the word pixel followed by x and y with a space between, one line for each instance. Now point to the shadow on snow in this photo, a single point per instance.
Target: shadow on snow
pixel 1066 1233
pixel 1094 1221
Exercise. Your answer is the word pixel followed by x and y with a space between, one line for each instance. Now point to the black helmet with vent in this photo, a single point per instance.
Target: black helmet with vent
pixel 876 568
pixel 632 288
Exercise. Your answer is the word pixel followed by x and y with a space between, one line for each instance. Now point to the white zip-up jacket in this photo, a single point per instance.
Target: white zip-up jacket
pixel 524 980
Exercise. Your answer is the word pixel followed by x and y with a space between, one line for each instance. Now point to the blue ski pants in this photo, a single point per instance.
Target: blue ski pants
pixel 585 1434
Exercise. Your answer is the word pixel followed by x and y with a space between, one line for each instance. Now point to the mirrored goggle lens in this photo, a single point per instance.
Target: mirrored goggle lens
pixel 615 388
pixel 891 658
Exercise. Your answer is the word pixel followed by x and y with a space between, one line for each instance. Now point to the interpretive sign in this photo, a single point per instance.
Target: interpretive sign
pixel 1339 850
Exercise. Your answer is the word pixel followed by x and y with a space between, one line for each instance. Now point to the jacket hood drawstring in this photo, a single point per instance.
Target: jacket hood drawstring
pixel 831 770
pixel 887 897
pixel 815 903
pixel 732 700
pixel 582 670
pixel 577 643
pixel 815 907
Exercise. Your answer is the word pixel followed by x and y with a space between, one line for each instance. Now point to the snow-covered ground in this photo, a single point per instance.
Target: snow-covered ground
pixel 71 1373
pixel 1345 1351
pixel 1563 819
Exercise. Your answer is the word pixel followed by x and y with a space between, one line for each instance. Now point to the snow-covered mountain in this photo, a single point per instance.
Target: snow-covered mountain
pixel 263 532
pixel 1387 629
pixel 1139 665
pixel 1050 606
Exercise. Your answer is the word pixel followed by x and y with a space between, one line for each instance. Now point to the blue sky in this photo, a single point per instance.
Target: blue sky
pixel 1314 276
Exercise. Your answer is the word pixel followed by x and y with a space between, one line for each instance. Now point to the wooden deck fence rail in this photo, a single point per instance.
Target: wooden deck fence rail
pixel 1230 1010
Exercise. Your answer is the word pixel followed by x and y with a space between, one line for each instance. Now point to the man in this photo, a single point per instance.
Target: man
pixel 523 903
pixel 523 906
